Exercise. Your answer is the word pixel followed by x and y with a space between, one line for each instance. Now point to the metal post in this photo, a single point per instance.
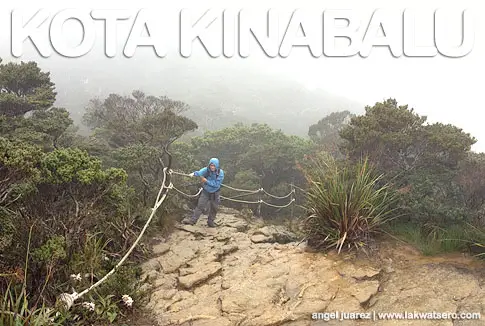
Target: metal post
pixel 260 195
pixel 292 203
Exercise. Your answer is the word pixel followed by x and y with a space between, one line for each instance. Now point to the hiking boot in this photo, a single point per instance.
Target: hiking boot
pixel 211 224
pixel 188 221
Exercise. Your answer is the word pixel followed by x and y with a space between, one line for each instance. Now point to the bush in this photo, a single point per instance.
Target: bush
pixel 431 239
pixel 79 222
pixel 346 204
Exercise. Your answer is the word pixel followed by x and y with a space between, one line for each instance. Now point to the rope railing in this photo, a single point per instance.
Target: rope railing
pixel 279 197
pixel 180 173
pixel 262 190
pixel 278 206
pixel 246 193
pixel 300 189
pixel 240 201
pixel 188 195
pixel 68 299
pixel 243 190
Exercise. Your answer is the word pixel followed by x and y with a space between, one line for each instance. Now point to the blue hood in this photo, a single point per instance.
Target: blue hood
pixel 214 161
pixel 213 179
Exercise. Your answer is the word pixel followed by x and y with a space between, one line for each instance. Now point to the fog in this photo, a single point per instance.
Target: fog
pixel 288 93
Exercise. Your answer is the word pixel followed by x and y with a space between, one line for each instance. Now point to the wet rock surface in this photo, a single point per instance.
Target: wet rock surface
pixel 243 273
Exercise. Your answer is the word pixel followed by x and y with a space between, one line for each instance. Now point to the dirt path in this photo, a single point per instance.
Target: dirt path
pixel 242 274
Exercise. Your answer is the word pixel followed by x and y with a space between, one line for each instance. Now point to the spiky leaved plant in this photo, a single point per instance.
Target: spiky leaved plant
pixel 346 204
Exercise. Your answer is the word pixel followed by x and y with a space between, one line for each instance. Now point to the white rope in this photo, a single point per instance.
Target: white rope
pixel 181 173
pixel 69 299
pixel 280 197
pixel 300 189
pixel 258 202
pixel 262 190
pixel 278 206
pixel 188 195
pixel 241 201
pixel 243 195
pixel 243 190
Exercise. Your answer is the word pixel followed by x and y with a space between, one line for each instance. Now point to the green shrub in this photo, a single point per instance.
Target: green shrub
pixel 15 306
pixel 432 239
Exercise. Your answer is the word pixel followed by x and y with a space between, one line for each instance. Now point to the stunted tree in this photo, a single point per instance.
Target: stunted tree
pixel 24 88
pixel 43 127
pixel 326 131
pixel 139 119
pixel 472 180
pixel 26 106
pixel 55 199
pixel 421 159
pixel 396 138
pixel 135 129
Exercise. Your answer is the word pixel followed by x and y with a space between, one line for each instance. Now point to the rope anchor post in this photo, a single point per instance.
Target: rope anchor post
pixel 292 200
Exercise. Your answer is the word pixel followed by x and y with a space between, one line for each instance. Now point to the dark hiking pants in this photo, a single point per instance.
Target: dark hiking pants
pixel 209 201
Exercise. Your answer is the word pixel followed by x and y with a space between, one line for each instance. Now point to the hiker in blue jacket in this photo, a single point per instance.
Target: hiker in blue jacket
pixel 211 177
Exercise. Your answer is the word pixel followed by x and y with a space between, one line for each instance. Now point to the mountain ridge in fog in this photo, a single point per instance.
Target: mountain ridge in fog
pixel 219 95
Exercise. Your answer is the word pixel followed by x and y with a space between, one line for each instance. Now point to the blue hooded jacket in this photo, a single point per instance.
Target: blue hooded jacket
pixel 214 179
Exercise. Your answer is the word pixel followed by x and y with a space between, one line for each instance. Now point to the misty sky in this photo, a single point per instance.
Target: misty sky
pixel 445 89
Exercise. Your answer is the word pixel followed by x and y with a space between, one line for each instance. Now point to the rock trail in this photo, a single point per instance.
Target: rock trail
pixel 243 273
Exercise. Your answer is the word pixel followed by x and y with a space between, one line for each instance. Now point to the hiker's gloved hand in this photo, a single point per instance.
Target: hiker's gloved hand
pixel 195 174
